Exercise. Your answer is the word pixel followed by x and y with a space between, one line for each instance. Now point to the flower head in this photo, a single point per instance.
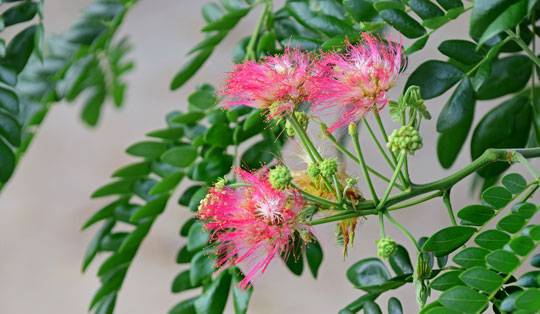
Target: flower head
pixel 276 84
pixel 252 224
pixel 355 82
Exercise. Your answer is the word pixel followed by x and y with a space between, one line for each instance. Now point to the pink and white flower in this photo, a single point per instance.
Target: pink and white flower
pixel 253 224
pixel 353 83
pixel 275 84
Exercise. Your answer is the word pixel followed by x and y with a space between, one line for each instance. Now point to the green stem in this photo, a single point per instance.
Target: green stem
pixel 356 142
pixel 519 158
pixel 489 156
pixel 355 159
pixel 385 137
pixel 379 146
pixel 403 229
pixel 448 204
pixel 381 225
pixel 317 198
pixel 523 46
pixel 418 201
pixel 382 204
pixel 250 49
pixel 302 133
pixel 310 149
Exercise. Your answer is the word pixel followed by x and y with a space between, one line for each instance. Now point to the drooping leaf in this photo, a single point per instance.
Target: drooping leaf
pixel 197 237
pixel 371 307
pixel 214 297
pixel 505 126
pixel 190 68
pixel 201 266
pixel 400 261
pixel 368 272
pixel 240 297
pixel 394 306
pixel 181 282
pixel 454 123
pixel 314 256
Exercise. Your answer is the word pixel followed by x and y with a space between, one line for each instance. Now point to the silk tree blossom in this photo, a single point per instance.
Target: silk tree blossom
pixel 353 83
pixel 275 84
pixel 253 224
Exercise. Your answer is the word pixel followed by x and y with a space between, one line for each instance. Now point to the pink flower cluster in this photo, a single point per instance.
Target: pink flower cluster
pixel 344 84
pixel 253 224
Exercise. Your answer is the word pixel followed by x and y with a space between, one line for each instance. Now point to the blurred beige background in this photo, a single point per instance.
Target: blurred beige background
pixel 47 200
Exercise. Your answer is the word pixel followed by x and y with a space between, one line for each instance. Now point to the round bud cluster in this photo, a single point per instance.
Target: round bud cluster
pixel 328 167
pixel 386 247
pixel 280 177
pixel 313 170
pixel 405 138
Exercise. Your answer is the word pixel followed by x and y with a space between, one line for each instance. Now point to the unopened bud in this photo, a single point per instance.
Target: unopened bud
pixel 280 177
pixel 353 129
pixel 221 182
pixel 352 181
pixel 313 170
pixel 405 138
pixel 386 247
pixel 324 129
pixel 329 167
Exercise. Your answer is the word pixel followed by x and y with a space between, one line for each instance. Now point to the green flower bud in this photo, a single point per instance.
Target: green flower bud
pixel 353 129
pixel 221 182
pixel 352 181
pixel 313 170
pixel 405 138
pixel 324 129
pixel 289 129
pixel 423 270
pixel 302 119
pixel 329 167
pixel 386 247
pixel 280 177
